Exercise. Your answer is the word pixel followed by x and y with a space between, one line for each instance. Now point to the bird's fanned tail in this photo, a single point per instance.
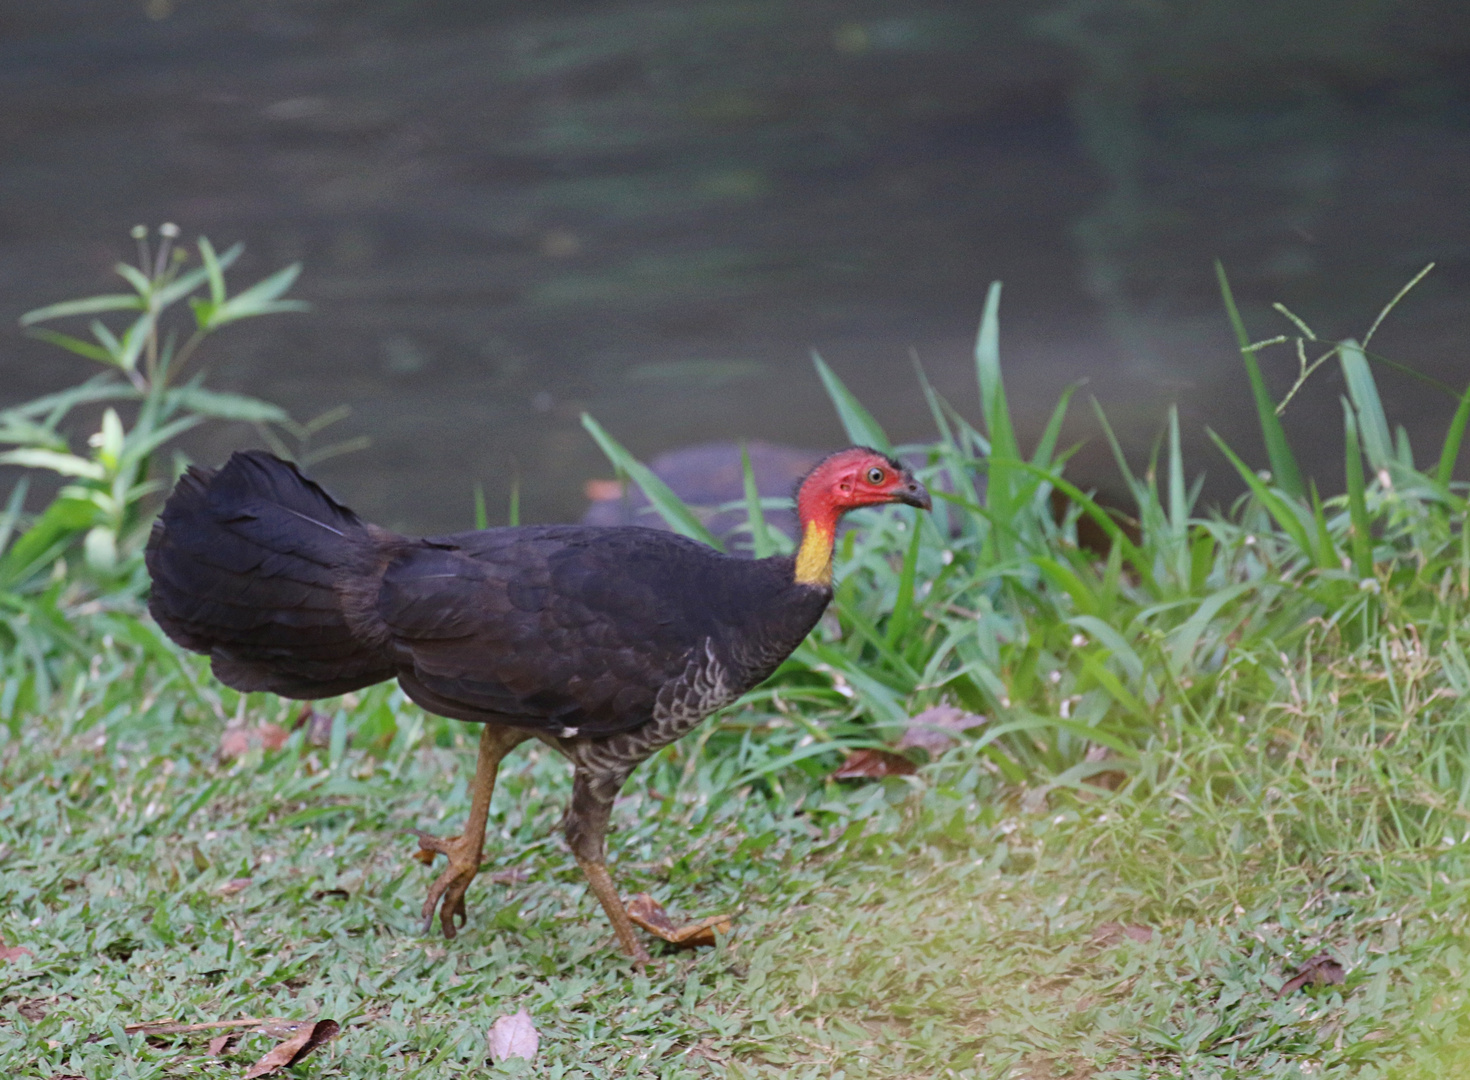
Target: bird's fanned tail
pixel 249 566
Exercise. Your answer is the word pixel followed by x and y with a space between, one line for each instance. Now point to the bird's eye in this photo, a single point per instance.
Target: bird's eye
pixel 875 475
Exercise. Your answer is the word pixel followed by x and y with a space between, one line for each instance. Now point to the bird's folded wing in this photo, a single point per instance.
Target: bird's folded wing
pixel 538 635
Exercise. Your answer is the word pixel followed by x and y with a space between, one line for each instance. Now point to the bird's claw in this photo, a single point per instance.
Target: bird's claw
pixel 447 893
pixel 431 845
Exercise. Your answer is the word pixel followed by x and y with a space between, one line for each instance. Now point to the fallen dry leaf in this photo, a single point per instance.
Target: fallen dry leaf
pixel 1109 933
pixel 648 913
pixel 221 1045
pixel 935 729
pixel 233 742
pixel 11 953
pixel 1321 970
pixel 1112 779
pixel 272 736
pixel 308 1037
pixel 236 741
pixel 514 1037
pixel 872 765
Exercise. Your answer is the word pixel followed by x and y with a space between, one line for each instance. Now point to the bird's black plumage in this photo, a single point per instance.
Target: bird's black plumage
pixel 545 628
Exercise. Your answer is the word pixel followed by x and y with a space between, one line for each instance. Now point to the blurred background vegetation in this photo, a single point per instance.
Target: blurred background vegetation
pixel 651 211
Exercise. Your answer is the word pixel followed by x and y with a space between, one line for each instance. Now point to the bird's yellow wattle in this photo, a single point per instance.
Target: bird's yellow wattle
pixel 814 557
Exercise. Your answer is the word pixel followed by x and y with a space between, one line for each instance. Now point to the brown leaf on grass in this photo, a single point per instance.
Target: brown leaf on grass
pixel 648 913
pixel 308 1037
pixel 11 953
pixel 1112 779
pixel 272 736
pixel 221 1045
pixel 873 765
pixel 1321 970
pixel 1110 933
pixel 236 741
pixel 233 743
pixel 935 729
pixel 514 1037
pixel 705 1049
pixel 234 885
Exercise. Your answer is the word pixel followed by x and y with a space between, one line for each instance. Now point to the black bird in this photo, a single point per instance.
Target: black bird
pixel 604 643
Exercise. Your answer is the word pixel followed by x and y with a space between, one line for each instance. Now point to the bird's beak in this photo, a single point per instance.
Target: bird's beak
pixel 913 494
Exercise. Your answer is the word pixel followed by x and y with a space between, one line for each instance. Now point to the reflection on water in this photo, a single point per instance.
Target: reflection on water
pixel 652 210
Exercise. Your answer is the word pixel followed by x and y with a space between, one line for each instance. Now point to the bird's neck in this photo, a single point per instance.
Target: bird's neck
pixel 818 531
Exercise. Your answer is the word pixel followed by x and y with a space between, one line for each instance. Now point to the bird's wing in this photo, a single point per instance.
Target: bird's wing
pixel 548 629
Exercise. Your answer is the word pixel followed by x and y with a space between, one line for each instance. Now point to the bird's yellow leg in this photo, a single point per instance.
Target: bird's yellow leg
pixel 464 851
pixel 607 894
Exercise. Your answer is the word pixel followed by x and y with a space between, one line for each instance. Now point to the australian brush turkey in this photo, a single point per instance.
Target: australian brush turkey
pixel 604 643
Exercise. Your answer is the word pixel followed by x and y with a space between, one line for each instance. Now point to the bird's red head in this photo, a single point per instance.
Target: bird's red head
pixel 846 480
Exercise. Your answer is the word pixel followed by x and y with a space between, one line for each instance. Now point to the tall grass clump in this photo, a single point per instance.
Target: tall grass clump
pixel 1226 650
pixel 77 564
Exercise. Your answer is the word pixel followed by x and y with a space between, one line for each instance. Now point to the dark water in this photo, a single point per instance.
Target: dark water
pixel 652 211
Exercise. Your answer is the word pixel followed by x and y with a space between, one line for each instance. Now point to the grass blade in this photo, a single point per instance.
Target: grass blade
pixel 1046 449
pixel 859 424
pixel 903 604
pixel 1372 422
pixel 992 386
pixel 1327 558
pixel 1450 453
pixel 755 514
pixel 680 518
pixel 1283 513
pixel 1278 451
pixel 1186 638
pixel 1179 505
pixel 14 506
pixel 1003 494
pixel 1362 535
pixel 1116 536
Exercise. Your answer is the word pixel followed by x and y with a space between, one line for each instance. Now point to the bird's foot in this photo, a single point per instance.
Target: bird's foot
pixel 649 914
pixel 447 892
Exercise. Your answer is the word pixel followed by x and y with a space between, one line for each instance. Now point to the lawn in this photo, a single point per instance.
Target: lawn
pixel 934 925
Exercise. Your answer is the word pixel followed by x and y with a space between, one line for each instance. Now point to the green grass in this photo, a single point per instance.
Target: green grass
pixel 933 926
pixel 1244 730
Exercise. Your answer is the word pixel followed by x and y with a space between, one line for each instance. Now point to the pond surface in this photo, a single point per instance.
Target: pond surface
pixel 654 211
